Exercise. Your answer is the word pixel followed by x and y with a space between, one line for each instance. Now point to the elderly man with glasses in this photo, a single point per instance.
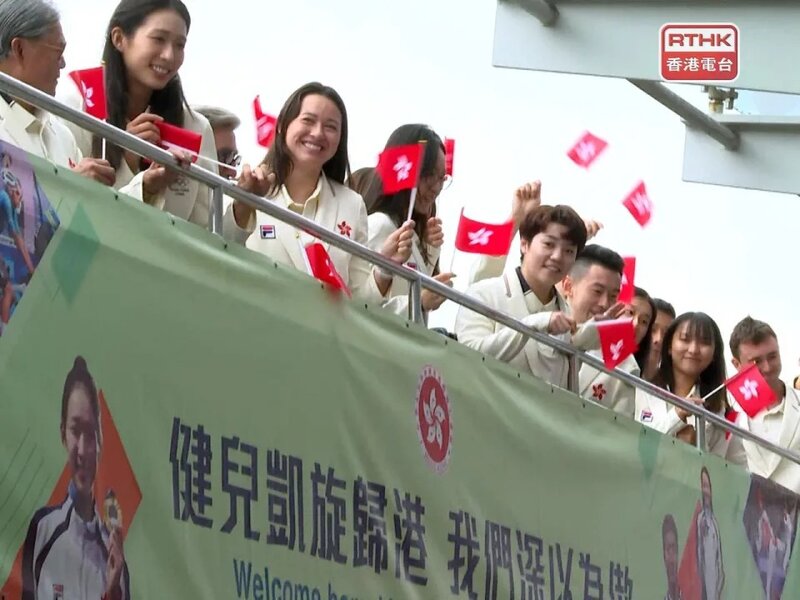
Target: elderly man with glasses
pixel 224 124
pixel 32 51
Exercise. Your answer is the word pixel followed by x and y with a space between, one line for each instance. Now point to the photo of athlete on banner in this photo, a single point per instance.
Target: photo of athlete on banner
pixel 70 551
pixel 770 522
pixel 27 224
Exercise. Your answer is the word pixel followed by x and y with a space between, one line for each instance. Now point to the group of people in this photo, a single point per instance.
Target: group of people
pixel 562 285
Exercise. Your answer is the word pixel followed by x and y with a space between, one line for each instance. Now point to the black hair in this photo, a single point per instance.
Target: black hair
pixel 79 376
pixel 643 351
pixel 168 102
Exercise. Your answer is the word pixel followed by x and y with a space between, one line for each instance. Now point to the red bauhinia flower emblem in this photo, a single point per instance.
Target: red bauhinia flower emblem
pixel 598 392
pixel 344 228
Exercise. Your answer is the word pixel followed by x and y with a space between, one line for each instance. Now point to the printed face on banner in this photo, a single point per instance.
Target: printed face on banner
pixel 27 224
pixel 97 484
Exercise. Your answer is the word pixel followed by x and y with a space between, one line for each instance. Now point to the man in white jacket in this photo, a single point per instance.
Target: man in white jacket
pixel 551 237
pixel 32 50
pixel 754 341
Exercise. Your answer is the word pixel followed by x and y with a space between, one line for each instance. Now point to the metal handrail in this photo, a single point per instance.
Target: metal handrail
pixel 417 281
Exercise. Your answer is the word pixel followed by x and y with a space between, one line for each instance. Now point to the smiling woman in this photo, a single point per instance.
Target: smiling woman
pixel 305 171
pixel 144 50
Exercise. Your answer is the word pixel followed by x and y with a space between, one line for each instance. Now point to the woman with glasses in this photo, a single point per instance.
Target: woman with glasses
pixel 388 212
pixel 304 171
pixel 144 50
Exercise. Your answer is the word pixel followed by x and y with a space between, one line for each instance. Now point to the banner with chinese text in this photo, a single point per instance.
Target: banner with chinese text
pixel 180 418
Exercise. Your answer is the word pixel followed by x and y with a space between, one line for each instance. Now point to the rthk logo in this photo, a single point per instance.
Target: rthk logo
pixel 699 52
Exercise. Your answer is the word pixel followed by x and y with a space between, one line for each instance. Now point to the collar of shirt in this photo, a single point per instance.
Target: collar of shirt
pixel 289 202
pixel 13 110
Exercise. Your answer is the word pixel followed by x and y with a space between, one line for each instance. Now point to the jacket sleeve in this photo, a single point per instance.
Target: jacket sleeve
pixel 361 275
pixel 486 267
pixel 478 332
pixel 381 227
pixel 231 230
pixel 668 423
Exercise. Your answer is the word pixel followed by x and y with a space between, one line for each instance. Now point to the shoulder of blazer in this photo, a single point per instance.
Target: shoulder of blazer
pixel 195 121
pixel 343 194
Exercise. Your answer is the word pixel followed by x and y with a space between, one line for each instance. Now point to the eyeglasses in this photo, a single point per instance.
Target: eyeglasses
pixel 434 178
pixel 229 157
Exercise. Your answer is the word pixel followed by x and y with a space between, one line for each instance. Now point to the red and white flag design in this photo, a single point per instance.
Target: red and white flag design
pixel 449 153
pixel 617 340
pixel 91 84
pixel 321 266
pixel 399 167
pixel 586 150
pixel 484 238
pixel 639 204
pixel 627 289
pixel 265 124
pixel 751 391
pixel 178 138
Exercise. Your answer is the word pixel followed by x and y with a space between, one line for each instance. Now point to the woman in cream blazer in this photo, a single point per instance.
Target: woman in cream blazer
pixel 304 171
pixel 142 55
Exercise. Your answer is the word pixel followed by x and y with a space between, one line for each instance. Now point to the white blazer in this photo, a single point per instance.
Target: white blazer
pixel 763 462
pixel 489 337
pixel 381 227
pixel 333 206
pixel 185 198
pixel 661 416
pixel 609 391
pixel 41 134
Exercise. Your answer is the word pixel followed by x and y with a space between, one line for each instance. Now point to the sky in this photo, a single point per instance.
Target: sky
pixel 728 252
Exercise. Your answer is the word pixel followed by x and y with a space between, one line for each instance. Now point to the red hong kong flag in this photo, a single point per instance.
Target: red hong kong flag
pixel 626 290
pixel 484 238
pixel 177 138
pixel 617 340
pixel 586 150
pixel 398 167
pixel 91 84
pixel 751 390
pixel 639 204
pixel 265 124
pixel 449 152
pixel 321 266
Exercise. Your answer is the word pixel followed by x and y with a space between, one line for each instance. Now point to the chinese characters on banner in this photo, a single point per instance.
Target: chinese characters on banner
pixel 366 524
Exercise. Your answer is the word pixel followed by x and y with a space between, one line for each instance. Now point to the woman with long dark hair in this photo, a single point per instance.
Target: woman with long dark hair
pixel 304 171
pixel 144 50
pixel 692 367
pixel 388 212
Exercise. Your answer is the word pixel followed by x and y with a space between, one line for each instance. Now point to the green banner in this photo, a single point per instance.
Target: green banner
pixel 249 433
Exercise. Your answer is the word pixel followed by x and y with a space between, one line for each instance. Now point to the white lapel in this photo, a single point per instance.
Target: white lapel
pixel 519 309
pixel 327 214
pixel 15 119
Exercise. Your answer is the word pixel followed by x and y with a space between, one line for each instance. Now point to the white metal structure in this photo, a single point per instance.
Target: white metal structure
pixel 620 38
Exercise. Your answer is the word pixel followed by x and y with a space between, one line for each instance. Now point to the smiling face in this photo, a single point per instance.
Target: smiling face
pixel 154 52
pixel 313 136
pixel 548 257
pixel 691 354
pixel 79 435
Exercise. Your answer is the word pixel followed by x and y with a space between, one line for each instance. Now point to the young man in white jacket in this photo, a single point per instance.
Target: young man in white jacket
pixel 754 341
pixel 551 237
